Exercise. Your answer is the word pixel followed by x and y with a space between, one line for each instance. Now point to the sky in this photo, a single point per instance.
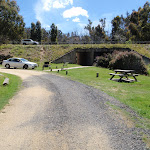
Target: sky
pixel 73 15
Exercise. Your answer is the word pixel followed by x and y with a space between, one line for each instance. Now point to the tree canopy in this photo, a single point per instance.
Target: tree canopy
pixel 11 23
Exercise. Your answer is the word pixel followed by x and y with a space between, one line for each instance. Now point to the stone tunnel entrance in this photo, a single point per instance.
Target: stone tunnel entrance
pixel 85 58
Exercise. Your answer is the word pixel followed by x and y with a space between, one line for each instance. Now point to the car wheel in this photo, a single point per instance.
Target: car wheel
pixel 25 67
pixel 7 66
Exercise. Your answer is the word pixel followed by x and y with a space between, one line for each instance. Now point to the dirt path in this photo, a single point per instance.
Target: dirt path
pixel 53 113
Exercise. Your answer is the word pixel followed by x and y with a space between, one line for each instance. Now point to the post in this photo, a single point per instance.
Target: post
pixel 58 71
pixel 97 75
pixel 66 72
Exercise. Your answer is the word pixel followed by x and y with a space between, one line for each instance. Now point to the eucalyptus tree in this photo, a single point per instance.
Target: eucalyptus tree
pixel 38 31
pixel 11 23
pixel 53 33
pixel 33 31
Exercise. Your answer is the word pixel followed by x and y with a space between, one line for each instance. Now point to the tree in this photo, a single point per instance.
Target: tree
pixel 59 35
pixel 116 22
pixel 33 31
pixel 53 33
pixel 27 33
pixel 11 23
pixel 90 29
pixel 38 31
pixel 99 33
pixel 103 23
pixel 137 24
pixel 96 33
pixel 45 35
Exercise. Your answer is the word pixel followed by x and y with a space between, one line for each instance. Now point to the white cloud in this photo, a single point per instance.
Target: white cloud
pixel 74 12
pixel 76 19
pixel 38 11
pixel 42 8
pixel 48 4
pixel 57 4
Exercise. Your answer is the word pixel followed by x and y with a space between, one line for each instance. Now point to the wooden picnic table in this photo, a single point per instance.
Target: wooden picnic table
pixel 124 73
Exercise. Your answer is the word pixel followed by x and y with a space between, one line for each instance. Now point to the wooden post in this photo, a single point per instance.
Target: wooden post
pixel 97 75
pixel 51 69
pixel 66 72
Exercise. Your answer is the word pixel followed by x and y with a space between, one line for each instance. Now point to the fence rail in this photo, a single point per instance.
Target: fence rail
pixel 89 42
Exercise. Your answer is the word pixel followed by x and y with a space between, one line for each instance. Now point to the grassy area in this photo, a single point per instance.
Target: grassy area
pixel 7 92
pixel 41 53
pixel 55 66
pixel 136 94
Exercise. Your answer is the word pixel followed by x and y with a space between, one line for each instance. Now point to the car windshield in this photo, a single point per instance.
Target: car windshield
pixel 22 59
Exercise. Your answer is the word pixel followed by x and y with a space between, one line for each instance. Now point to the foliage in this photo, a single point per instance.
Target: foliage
pixel 104 60
pixel 27 33
pixel 96 33
pixel 135 27
pixel 33 31
pixel 53 33
pixel 129 61
pixel 11 23
pixel 38 31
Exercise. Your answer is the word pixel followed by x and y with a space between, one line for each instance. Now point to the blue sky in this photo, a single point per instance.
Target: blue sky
pixel 73 15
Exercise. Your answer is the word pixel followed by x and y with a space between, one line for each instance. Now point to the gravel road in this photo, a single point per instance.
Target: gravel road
pixel 54 113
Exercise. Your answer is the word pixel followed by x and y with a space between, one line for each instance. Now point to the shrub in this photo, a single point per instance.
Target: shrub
pixel 129 61
pixel 104 60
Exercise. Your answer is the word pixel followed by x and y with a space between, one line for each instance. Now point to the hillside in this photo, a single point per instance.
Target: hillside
pixel 40 53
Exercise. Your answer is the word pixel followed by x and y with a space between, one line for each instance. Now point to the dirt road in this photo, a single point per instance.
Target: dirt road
pixel 53 113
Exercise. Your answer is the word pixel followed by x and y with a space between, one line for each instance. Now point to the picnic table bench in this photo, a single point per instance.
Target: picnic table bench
pixel 124 73
pixel 46 64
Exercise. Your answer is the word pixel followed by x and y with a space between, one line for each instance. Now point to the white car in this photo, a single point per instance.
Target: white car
pixel 29 42
pixel 19 63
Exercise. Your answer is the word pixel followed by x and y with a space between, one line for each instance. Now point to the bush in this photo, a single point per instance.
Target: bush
pixel 129 61
pixel 104 60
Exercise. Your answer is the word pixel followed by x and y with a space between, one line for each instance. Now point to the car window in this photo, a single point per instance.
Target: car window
pixel 9 59
pixel 15 60
pixel 24 60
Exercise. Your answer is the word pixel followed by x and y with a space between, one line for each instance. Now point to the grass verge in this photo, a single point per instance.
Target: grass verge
pixel 7 92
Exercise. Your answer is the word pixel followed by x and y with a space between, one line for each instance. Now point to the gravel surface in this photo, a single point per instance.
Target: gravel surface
pixel 54 113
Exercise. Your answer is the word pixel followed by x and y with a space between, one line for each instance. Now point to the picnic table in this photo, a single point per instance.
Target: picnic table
pixel 124 75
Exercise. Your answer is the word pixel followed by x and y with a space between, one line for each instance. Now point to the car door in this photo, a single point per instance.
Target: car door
pixel 15 62
pixel 19 63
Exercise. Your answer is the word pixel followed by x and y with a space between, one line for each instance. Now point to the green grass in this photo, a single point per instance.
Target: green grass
pixel 41 53
pixel 136 94
pixel 7 92
pixel 55 66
